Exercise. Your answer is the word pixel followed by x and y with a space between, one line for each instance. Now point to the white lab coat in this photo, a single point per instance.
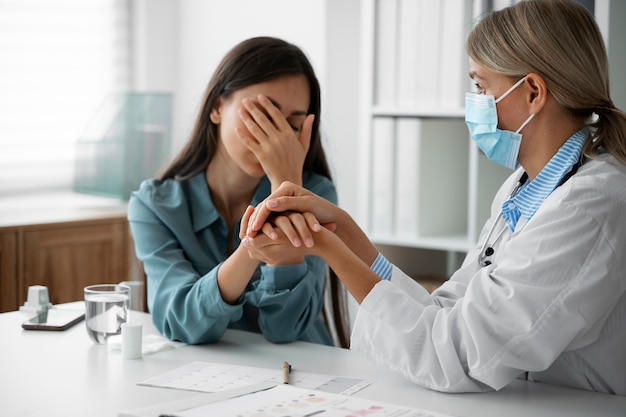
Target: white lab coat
pixel 553 302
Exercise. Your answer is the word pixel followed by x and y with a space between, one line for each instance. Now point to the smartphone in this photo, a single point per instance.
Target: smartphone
pixel 54 319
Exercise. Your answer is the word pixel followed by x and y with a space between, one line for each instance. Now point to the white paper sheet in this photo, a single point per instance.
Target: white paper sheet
pixel 286 400
pixel 217 377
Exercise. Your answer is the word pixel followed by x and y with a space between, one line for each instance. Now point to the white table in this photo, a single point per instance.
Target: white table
pixel 64 374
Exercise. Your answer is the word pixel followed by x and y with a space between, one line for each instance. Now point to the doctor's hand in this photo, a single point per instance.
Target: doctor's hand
pixel 296 213
pixel 350 266
pixel 279 144
pixel 305 211
pixel 319 216
pixel 286 239
pixel 297 227
pixel 273 246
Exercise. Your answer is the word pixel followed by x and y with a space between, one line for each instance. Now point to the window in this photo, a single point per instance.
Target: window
pixel 59 60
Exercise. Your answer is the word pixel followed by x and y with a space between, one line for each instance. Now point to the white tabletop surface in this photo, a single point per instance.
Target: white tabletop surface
pixel 49 374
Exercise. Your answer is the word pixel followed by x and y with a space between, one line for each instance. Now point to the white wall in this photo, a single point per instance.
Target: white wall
pixel 343 97
pixel 155 38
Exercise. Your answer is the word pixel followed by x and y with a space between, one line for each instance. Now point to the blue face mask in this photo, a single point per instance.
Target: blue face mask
pixel 481 117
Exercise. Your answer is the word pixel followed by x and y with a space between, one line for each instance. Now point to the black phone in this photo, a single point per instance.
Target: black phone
pixel 54 319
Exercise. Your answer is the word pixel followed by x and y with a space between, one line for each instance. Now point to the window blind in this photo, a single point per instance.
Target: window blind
pixel 59 59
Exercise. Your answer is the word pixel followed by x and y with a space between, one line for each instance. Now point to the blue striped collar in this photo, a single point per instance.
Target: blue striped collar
pixel 527 201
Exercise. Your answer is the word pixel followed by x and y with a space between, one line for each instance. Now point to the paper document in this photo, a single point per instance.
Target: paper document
pixel 286 400
pixel 217 377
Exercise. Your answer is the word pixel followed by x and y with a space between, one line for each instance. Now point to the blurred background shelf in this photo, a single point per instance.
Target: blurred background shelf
pixel 427 186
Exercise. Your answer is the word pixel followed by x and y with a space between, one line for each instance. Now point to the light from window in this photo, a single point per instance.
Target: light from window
pixel 59 59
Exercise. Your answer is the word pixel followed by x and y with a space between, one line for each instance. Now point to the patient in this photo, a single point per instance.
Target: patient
pixel 258 126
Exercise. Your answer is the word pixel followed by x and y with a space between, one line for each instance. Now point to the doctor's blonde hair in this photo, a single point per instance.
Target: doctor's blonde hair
pixel 560 41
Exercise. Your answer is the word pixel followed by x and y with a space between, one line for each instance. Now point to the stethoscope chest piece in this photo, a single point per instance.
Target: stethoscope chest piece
pixel 487 250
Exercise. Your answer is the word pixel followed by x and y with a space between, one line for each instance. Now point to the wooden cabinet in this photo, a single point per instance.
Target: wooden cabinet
pixel 64 248
pixel 69 257
pixel 8 271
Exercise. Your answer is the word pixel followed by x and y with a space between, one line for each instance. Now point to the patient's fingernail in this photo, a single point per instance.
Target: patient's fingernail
pixel 272 203
pixel 245 242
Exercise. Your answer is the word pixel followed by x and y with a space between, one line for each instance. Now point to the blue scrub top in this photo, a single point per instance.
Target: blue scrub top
pixel 181 239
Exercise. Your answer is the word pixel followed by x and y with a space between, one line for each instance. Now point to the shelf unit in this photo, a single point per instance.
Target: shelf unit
pixel 428 186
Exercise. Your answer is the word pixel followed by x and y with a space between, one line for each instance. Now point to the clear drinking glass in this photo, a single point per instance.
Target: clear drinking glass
pixel 106 308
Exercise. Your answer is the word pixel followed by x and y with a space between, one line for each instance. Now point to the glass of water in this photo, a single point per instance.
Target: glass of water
pixel 106 308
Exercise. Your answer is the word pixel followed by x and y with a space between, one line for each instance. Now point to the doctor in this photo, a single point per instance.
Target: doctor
pixel 542 295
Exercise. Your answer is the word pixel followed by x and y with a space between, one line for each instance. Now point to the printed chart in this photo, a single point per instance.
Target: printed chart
pixel 216 377
pixel 285 400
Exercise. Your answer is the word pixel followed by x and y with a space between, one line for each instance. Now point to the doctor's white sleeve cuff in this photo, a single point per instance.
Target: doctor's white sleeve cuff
pixel 382 267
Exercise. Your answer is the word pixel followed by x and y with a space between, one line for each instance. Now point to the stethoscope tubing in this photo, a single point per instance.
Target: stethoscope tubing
pixel 483 256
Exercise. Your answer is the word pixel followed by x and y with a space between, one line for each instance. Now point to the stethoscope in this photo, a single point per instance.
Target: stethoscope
pixel 487 250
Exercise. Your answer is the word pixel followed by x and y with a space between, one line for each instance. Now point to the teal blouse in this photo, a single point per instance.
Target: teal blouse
pixel 181 239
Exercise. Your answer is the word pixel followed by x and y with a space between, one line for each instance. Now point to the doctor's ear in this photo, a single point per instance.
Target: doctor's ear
pixel 537 92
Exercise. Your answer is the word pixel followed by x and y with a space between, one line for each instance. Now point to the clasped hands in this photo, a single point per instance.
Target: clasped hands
pixel 293 217
pixel 290 215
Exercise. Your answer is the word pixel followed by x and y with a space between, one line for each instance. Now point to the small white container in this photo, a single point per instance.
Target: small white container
pixel 131 340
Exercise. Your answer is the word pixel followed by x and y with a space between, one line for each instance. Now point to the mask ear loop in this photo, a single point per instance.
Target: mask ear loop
pixel 525 123
pixel 507 92
pixel 513 87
